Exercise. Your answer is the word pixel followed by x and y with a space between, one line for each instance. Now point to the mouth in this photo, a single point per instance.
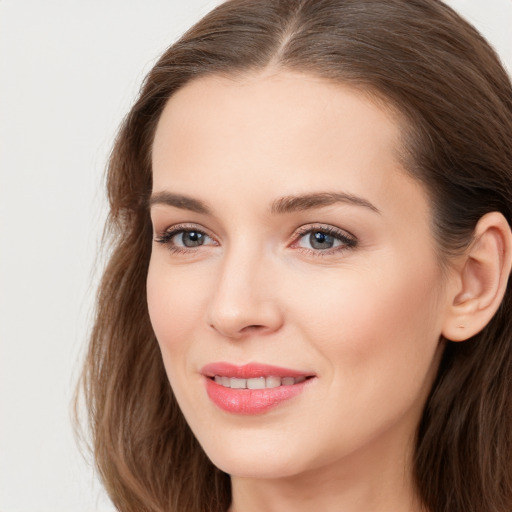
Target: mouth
pixel 269 382
pixel 252 388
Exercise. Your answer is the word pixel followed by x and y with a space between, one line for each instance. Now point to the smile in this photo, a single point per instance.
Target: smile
pixel 253 388
pixel 257 382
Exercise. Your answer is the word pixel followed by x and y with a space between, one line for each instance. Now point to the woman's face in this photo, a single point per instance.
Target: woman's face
pixel 294 286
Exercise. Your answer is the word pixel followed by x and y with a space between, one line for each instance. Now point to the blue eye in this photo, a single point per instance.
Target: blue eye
pixel 324 238
pixel 181 239
pixel 189 238
pixel 319 240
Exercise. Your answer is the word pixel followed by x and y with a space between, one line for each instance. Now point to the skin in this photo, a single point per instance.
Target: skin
pixel 365 320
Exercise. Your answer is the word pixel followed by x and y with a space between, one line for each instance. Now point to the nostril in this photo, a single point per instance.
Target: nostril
pixel 244 331
pixel 250 328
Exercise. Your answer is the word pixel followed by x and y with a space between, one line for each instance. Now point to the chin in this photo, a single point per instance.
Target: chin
pixel 257 469
pixel 255 460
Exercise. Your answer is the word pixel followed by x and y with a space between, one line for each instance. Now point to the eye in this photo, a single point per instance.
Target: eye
pixel 189 239
pixel 319 240
pixel 324 239
pixel 181 238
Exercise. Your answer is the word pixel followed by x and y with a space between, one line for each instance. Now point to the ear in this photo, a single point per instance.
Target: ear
pixel 481 279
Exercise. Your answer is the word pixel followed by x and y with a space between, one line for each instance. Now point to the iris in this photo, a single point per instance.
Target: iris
pixel 319 240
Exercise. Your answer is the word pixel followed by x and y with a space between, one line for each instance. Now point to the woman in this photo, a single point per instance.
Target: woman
pixel 311 209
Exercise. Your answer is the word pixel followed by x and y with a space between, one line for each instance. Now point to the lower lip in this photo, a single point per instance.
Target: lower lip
pixel 251 401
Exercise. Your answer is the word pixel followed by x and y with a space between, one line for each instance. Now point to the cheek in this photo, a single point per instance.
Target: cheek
pixel 376 336
pixel 173 304
pixel 381 319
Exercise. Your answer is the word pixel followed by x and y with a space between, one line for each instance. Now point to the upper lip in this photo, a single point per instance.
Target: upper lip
pixel 250 370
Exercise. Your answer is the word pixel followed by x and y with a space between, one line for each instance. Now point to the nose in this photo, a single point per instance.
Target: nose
pixel 245 299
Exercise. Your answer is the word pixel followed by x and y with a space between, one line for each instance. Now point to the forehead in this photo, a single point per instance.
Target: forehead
pixel 284 132
pixel 294 106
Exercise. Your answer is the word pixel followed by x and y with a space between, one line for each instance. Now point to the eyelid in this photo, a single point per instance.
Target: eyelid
pixel 349 241
pixel 165 236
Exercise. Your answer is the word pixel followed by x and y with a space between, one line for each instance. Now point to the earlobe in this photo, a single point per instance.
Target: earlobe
pixel 482 279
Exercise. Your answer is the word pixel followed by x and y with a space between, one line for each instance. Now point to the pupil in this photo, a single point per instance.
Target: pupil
pixel 321 240
pixel 192 239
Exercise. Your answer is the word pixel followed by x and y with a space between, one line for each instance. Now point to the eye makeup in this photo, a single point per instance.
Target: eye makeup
pixel 315 239
pixel 323 240
pixel 184 238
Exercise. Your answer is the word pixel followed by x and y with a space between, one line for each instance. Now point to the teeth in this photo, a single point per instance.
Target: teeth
pixel 237 383
pixel 273 382
pixel 257 382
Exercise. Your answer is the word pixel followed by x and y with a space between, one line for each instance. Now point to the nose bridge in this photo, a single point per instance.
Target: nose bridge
pixel 244 299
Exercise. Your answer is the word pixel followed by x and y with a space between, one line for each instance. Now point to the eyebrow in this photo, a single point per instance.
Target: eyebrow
pixel 286 204
pixel 179 201
pixel 289 204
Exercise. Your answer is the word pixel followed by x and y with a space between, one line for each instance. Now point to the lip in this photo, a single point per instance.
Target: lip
pixel 251 370
pixel 251 401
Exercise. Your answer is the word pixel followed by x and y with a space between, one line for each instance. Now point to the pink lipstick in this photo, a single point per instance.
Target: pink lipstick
pixel 252 388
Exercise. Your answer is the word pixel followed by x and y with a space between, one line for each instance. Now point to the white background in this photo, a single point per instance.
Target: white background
pixel 69 71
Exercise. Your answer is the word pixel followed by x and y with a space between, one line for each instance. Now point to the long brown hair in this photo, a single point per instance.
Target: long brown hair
pixel 456 100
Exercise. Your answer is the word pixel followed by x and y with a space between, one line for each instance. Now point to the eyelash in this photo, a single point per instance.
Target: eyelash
pixel 166 237
pixel 348 241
